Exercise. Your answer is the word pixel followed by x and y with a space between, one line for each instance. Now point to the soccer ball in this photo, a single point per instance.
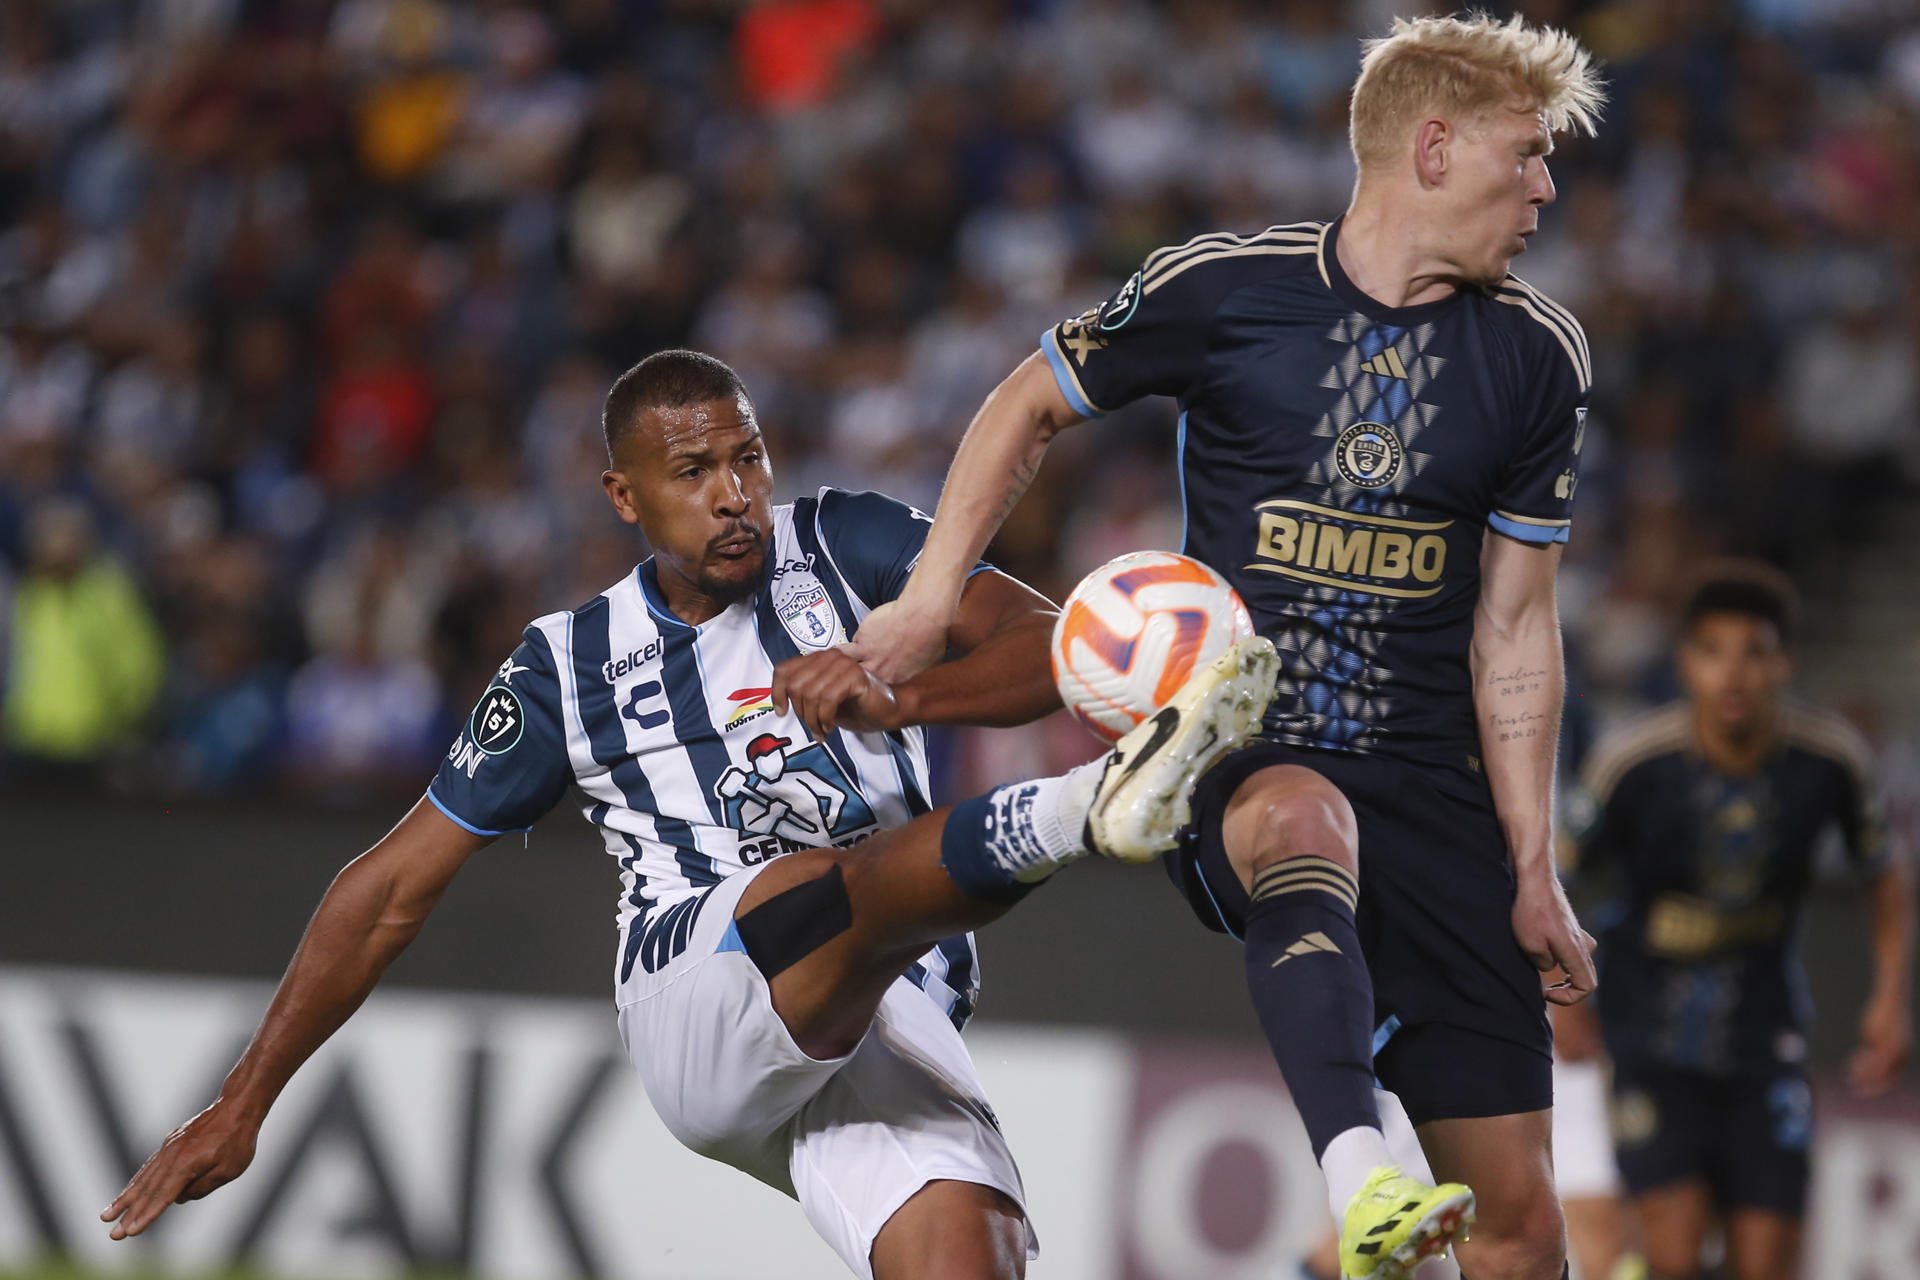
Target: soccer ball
pixel 1134 630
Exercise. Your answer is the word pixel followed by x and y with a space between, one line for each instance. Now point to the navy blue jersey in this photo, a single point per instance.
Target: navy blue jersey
pixel 1340 462
pixel 1708 874
pixel 669 733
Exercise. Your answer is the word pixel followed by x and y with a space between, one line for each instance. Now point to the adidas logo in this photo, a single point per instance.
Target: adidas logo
pixel 1386 364
pixel 1306 946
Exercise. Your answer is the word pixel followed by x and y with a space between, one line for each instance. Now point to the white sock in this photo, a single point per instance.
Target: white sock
pixel 1038 825
pixel 1348 1162
pixel 1403 1144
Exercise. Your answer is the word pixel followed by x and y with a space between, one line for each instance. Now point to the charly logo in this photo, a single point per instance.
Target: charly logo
pixel 497 722
pixel 1368 454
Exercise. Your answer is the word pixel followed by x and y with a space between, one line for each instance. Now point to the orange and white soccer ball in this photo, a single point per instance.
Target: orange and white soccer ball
pixel 1135 630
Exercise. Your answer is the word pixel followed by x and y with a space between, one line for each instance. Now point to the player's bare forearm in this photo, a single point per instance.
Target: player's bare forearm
pixel 374 908
pixel 1003 674
pixel 1006 680
pixel 1519 682
pixel 997 459
pixel 993 467
pixel 367 917
pixel 1518 688
pixel 1000 673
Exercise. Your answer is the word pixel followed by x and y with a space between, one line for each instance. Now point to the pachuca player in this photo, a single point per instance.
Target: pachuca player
pixel 1706 817
pixel 792 1007
pixel 1379 439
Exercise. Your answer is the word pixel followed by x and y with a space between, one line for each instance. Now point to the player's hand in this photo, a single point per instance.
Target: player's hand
pixel 899 640
pixel 1545 927
pixel 205 1153
pixel 830 689
pixel 1886 1038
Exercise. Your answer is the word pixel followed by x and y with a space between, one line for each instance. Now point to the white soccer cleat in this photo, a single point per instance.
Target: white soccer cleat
pixel 1142 800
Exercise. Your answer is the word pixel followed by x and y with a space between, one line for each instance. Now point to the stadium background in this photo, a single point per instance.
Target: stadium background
pixel 306 310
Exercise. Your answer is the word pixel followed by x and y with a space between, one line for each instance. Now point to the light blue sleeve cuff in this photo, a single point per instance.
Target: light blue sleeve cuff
pixel 462 823
pixel 1541 534
pixel 1063 377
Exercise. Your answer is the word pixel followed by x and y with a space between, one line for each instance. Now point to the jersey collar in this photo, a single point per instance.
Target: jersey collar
pixel 1365 304
pixel 646 576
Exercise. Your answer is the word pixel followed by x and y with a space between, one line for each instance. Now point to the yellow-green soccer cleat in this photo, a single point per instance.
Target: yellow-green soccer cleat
pixel 1142 800
pixel 1394 1223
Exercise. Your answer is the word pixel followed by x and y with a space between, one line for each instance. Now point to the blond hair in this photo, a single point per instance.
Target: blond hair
pixel 1463 66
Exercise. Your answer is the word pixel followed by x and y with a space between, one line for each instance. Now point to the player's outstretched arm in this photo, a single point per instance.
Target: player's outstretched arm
pixel 1003 675
pixel 1886 1024
pixel 1518 684
pixel 996 461
pixel 370 913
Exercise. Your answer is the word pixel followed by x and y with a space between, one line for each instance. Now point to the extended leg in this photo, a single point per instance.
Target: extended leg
pixel 832 929
pixel 894 900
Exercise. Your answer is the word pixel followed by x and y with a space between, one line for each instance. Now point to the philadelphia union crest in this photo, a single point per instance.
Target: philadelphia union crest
pixel 1367 455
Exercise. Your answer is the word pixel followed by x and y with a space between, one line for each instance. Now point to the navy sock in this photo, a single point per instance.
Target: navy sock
pixel 968 862
pixel 1310 987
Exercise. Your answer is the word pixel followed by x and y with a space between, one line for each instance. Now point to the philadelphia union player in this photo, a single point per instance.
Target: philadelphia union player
pixel 1379 433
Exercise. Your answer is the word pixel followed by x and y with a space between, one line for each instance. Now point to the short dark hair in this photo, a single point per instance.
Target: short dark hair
pixel 1749 587
pixel 666 380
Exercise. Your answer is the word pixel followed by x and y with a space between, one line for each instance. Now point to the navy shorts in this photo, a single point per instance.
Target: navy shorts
pixel 1462 1024
pixel 1747 1137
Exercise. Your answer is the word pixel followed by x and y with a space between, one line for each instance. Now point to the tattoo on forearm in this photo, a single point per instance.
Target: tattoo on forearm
pixel 1517 727
pixel 1528 719
pixel 1505 684
pixel 1022 476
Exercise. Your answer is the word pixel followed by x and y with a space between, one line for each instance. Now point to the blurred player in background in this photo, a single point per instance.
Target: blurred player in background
pixel 1379 440
pixel 795 962
pixel 1707 816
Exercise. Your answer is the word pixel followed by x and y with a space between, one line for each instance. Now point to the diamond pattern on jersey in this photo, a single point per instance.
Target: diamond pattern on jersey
pixel 1331 677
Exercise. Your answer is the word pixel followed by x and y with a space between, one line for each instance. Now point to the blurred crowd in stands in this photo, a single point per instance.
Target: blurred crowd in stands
pixel 307 308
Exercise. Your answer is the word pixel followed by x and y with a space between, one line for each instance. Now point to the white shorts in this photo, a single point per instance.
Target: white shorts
pixel 1583 1164
pixel 850 1138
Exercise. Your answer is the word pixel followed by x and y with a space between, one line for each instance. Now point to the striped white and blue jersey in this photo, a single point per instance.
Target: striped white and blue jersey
pixel 669 732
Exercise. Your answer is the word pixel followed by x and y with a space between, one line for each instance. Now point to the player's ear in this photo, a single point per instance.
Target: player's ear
pixel 620 494
pixel 1430 151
